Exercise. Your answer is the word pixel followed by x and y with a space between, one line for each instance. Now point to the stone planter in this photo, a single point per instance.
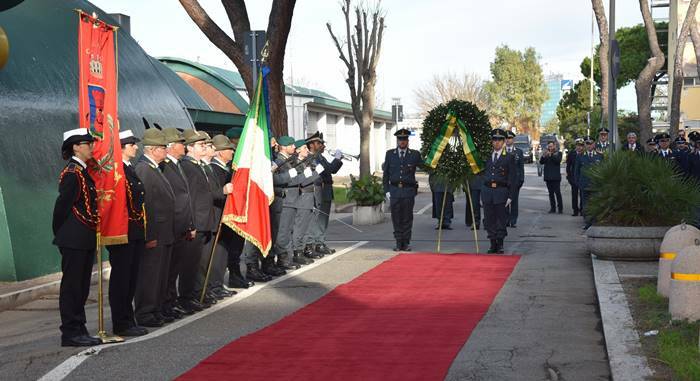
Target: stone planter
pixel 624 243
pixel 367 215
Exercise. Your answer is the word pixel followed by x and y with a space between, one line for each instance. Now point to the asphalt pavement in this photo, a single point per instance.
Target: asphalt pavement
pixel 542 325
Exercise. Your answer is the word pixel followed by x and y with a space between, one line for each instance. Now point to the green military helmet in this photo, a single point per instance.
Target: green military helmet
pixel 285 141
pixel 191 136
pixel 221 143
pixel 154 137
pixel 173 135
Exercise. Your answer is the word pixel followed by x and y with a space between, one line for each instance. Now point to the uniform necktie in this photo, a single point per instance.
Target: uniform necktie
pixel 402 154
pixel 495 157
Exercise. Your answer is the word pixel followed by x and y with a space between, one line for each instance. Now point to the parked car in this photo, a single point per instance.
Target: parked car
pixel 525 144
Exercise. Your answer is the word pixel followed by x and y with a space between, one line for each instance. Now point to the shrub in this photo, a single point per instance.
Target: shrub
pixel 366 191
pixel 630 189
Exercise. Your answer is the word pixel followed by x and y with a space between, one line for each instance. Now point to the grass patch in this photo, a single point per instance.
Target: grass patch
pixel 340 195
pixel 677 342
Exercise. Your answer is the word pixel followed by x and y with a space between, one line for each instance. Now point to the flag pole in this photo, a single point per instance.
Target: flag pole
pixel 471 208
pixel 101 333
pixel 211 255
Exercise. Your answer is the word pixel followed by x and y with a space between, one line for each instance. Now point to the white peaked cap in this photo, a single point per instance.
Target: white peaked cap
pixel 125 134
pixel 76 132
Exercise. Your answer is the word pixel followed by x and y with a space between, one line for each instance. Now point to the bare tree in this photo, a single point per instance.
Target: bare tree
pixel 643 84
pixel 363 47
pixel 677 84
pixel 443 88
pixel 279 24
pixel 602 21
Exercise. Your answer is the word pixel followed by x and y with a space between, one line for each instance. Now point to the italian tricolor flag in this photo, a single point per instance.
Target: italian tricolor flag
pixel 247 208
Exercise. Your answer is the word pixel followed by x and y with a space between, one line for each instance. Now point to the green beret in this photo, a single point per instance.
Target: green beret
pixel 285 141
pixel 234 132
pixel 299 143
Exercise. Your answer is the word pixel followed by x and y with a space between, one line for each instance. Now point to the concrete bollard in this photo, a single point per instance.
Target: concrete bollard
pixel 685 284
pixel 676 239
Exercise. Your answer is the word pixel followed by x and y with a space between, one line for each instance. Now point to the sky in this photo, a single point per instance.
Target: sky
pixel 422 38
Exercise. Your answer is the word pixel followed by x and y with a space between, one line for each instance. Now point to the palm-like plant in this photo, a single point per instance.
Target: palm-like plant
pixel 641 190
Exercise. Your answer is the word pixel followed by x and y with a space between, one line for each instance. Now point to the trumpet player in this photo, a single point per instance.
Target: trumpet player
pixel 323 196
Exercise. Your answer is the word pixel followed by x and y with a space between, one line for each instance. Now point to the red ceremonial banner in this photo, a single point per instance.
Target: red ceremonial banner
pixel 97 111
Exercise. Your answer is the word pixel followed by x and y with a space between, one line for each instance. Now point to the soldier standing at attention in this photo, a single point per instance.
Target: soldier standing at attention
pixel 652 147
pixel 75 219
pixel 497 191
pixel 586 160
pixel 603 144
pixel 512 210
pixel 682 155
pixel 125 258
pixel 576 197
pixel 152 282
pixel 401 187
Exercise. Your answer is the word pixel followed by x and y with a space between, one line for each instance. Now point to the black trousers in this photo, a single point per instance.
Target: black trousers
pixel 75 288
pixel 402 217
pixel 495 217
pixel 152 282
pixel 234 255
pixel 176 261
pixel 448 213
pixel 125 260
pixel 585 195
pixel 203 264
pixel 512 210
pixel 476 204
pixel 576 199
pixel 189 267
pixel 554 189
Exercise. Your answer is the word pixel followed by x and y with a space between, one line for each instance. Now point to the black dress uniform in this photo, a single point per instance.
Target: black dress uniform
pixel 125 259
pixel 400 182
pixel 500 184
pixel 576 198
pixel 75 219
pixel 519 157
pixel 682 155
pixel 552 177
pixel 152 283
pixel 586 160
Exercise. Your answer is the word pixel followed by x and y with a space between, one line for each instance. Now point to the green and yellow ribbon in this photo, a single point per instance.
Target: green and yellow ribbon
pixel 443 138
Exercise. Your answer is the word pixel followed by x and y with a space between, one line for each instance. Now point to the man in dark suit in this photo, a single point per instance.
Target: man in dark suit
pixel 401 187
pixel 551 160
pixel 519 157
pixel 126 258
pixel 576 197
pixel 323 194
pixel 682 155
pixel 587 159
pixel 631 144
pixel 183 224
pixel 152 281
pixel 498 189
pixel 75 218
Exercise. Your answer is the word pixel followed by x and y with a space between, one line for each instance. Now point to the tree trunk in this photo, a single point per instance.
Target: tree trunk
pixel 677 87
pixel 366 127
pixel 643 84
pixel 602 21
pixel 695 37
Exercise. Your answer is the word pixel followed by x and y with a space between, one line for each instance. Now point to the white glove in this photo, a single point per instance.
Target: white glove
pixel 338 154
pixel 320 169
pixel 293 172
pixel 307 172
pixel 508 201
pixel 388 195
pixel 274 167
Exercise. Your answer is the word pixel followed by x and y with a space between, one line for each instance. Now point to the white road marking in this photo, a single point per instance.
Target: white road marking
pixel 65 368
pixel 423 209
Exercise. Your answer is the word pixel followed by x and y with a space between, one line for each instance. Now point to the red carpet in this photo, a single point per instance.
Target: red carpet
pixel 406 319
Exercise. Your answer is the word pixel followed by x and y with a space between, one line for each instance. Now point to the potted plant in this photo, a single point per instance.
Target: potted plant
pixel 636 199
pixel 368 194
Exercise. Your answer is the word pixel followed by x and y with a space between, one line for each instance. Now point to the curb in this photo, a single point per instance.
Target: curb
pixel 14 299
pixel 621 338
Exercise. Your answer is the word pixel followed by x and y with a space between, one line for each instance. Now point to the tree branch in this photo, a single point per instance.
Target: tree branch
pixel 695 37
pixel 238 17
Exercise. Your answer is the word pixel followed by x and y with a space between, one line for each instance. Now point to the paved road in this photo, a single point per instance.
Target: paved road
pixel 543 320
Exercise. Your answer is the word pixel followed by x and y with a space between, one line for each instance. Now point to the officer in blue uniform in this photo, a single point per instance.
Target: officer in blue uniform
pixel 401 187
pixel 498 189
pixel 75 218
pixel 590 157
pixel 682 154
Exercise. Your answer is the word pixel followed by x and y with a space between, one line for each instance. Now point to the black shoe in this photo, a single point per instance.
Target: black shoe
pixel 575 213
pixel 499 248
pixel 256 275
pixel 131 332
pixel 513 225
pixel 164 318
pixel 225 293
pixel 407 247
pixel 151 322
pixel 191 306
pixel 210 298
pixel 310 253
pixel 552 211
pixel 272 270
pixel 290 267
pixel 478 226
pixel 301 259
pixel 447 227
pixel 561 211
pixel 323 249
pixel 183 311
pixel 234 281
pixel 172 313
pixel 493 248
pixel 80 341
